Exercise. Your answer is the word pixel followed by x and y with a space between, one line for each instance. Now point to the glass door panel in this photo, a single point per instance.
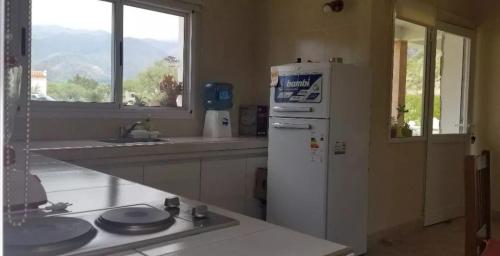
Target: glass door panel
pixel 451 84
pixel 448 142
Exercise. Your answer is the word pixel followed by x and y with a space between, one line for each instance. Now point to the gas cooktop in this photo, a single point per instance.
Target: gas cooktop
pixel 111 230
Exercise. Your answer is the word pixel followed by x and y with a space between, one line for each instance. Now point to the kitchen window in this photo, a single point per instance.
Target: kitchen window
pixel 71 55
pixel 408 83
pixel 431 80
pixel 153 58
pixel 111 58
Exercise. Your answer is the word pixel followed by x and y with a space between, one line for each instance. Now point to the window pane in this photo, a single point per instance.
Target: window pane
pixel 153 46
pixel 71 50
pixel 451 85
pixel 407 106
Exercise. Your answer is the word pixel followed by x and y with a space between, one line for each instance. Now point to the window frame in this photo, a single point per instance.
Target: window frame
pixel 429 32
pixel 429 77
pixel 116 108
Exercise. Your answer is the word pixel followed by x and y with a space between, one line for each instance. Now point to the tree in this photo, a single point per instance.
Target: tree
pixel 146 85
pixel 414 86
pixel 86 83
pixel 79 88
pixel 145 89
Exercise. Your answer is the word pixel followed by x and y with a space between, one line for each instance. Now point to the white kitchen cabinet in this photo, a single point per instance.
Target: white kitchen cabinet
pixel 253 207
pixel 132 173
pixel 223 183
pixel 223 180
pixel 177 177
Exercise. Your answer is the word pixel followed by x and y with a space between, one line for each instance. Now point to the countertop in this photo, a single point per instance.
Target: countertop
pixel 90 190
pixel 71 150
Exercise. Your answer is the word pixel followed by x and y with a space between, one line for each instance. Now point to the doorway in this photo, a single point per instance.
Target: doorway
pixel 430 104
pixel 447 123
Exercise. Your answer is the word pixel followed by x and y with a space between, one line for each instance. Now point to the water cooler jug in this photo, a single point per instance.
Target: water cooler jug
pixel 218 101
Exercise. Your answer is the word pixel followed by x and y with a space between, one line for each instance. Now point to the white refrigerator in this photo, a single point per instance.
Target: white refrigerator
pixel 318 151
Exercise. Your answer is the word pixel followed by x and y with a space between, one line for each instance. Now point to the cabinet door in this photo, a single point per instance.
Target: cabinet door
pixel 128 172
pixel 253 207
pixel 223 183
pixel 177 177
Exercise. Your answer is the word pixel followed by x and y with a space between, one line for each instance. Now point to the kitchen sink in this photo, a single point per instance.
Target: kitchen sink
pixel 130 140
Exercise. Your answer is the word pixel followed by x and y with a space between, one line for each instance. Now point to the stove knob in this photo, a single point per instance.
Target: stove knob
pixel 172 202
pixel 200 211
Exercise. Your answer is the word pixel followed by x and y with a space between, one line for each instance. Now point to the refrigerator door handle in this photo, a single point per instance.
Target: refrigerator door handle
pixel 291 126
pixel 292 109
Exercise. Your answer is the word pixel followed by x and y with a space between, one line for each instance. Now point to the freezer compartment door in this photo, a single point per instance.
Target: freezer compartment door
pixel 301 90
pixel 297 176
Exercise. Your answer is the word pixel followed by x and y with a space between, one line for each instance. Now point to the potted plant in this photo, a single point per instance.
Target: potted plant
pixel 171 90
pixel 400 128
pixel 139 100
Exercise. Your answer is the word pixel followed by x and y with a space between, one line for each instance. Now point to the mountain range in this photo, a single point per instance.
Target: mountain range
pixel 64 53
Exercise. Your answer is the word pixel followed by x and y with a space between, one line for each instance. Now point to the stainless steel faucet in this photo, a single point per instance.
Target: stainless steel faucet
pixel 125 133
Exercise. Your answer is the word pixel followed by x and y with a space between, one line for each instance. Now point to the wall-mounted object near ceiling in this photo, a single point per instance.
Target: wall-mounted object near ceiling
pixel 333 6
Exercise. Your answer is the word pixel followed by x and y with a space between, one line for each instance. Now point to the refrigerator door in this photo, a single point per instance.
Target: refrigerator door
pixel 297 176
pixel 301 90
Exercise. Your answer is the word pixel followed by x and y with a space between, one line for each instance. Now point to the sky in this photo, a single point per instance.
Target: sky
pixel 97 15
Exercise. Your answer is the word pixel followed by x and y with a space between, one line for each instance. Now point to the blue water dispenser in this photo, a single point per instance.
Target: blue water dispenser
pixel 218 100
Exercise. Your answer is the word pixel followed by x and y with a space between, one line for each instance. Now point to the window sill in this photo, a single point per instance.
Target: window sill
pixel 109 111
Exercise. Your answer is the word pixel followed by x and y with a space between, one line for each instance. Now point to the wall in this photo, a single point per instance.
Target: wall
pixel 361 34
pixel 225 55
pixel 241 39
pixel 487 107
pixel 288 30
pixel 397 169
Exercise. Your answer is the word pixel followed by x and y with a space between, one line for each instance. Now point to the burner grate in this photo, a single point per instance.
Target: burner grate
pixel 47 236
pixel 135 220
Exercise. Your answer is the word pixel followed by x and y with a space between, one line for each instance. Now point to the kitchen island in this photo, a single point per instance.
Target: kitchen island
pixel 88 190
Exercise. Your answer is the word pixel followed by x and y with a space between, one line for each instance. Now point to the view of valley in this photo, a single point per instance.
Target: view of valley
pixel 76 65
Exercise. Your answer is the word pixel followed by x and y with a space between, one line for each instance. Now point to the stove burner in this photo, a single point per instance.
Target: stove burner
pixel 47 236
pixel 135 220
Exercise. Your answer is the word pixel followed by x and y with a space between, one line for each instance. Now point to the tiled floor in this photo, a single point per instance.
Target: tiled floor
pixel 440 240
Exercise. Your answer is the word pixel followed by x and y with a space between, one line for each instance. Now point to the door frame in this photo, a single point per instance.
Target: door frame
pixel 429 96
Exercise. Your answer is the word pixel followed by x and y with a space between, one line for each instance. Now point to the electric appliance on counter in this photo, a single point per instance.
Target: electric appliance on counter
pixel 218 100
pixel 254 120
pixel 318 151
pixel 107 231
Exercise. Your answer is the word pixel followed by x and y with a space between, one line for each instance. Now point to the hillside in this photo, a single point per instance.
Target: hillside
pixel 66 52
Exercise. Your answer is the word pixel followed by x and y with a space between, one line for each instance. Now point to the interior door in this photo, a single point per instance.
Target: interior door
pixel 448 133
